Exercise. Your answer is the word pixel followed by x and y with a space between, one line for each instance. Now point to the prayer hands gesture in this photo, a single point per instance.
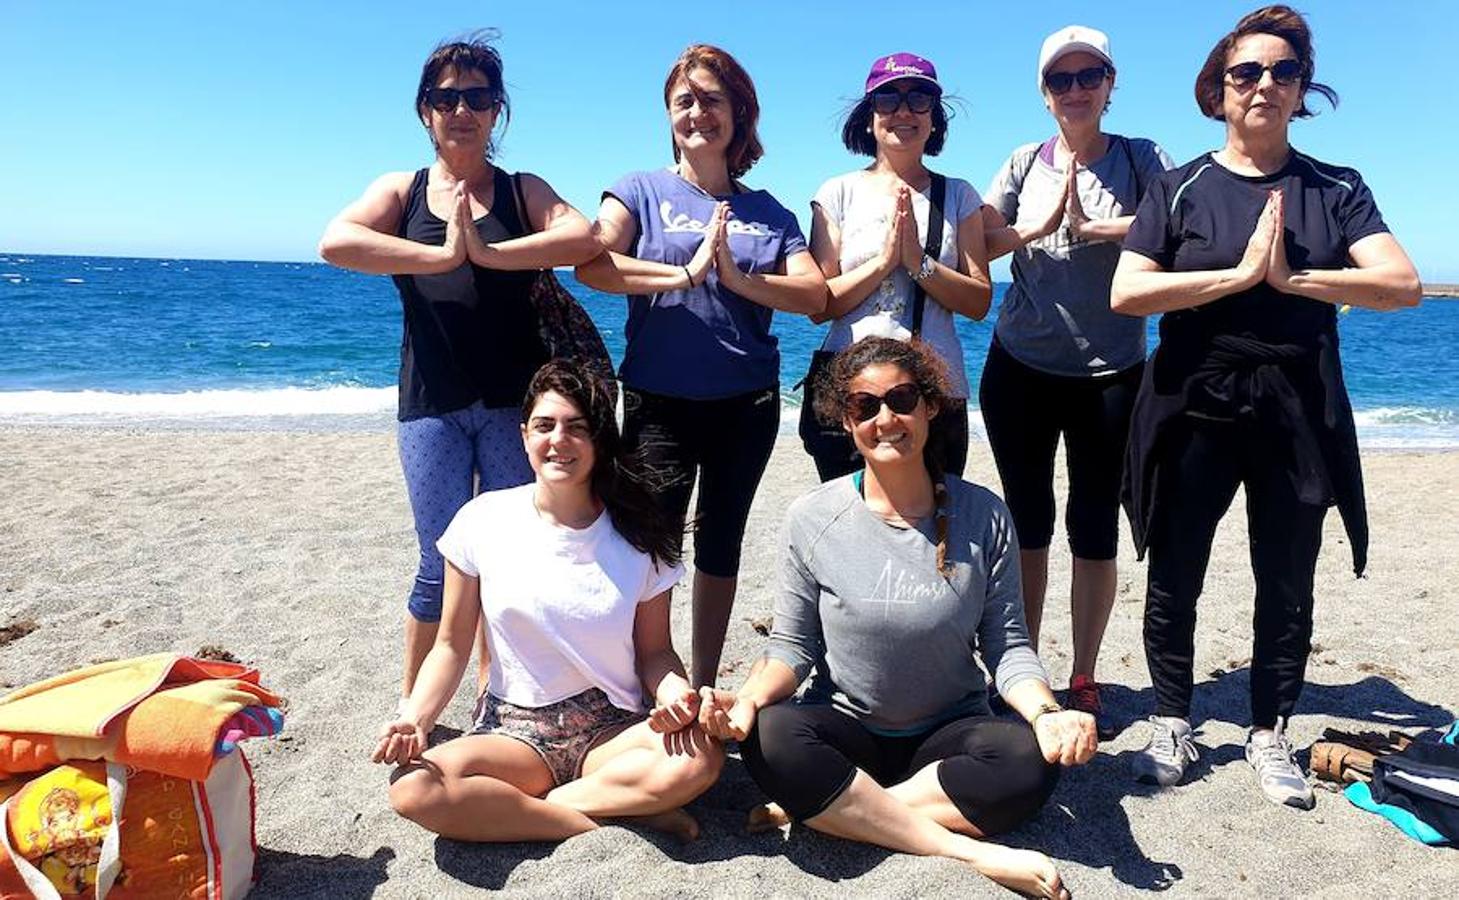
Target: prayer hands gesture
pixel 725 714
pixel 1278 272
pixel 1074 213
pixel 909 245
pixel 1256 261
pixel 1066 737
pixel 677 709
pixel 454 251
pixel 713 250
pixel 400 742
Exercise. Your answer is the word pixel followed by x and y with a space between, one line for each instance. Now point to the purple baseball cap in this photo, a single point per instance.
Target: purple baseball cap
pixel 901 65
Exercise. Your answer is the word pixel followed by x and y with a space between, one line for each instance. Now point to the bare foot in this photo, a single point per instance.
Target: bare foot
pixel 675 822
pixel 766 818
pixel 1028 872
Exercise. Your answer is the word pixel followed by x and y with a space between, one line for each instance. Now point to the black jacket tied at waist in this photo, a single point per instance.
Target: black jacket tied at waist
pixel 1290 396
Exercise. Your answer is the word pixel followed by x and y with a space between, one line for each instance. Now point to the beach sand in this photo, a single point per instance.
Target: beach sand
pixel 294 552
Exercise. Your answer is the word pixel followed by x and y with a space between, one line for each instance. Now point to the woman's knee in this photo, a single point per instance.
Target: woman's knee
pixel 1000 793
pixel 694 773
pixel 415 791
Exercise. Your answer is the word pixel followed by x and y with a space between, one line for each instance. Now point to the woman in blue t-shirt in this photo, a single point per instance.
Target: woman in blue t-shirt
pixel 1061 363
pixel 1247 252
pixel 470 342
pixel 704 261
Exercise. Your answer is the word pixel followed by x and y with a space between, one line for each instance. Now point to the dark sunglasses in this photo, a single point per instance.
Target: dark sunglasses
pixel 443 99
pixel 901 400
pixel 1284 72
pixel 890 100
pixel 1063 82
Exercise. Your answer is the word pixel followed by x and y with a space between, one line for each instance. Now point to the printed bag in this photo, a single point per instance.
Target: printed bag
pixel 563 325
pixel 104 830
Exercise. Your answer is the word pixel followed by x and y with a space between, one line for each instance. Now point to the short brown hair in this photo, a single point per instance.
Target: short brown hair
pixel 1278 21
pixel 745 147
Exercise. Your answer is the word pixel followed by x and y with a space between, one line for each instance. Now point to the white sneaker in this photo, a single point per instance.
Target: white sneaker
pixel 1270 754
pixel 1171 749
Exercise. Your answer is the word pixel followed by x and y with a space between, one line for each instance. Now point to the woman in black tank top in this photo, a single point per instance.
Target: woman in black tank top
pixel 463 259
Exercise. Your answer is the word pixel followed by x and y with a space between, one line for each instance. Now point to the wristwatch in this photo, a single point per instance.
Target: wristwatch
pixel 1045 708
pixel 929 265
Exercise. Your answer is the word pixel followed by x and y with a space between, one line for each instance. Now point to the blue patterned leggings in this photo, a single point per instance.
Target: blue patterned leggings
pixel 446 460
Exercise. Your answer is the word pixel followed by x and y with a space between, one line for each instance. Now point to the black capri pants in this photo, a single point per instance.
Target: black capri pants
pixel 804 756
pixel 1024 411
pixel 726 442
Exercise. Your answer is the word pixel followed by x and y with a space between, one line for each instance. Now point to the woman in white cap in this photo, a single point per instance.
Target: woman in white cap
pixel 1061 363
pixel 901 248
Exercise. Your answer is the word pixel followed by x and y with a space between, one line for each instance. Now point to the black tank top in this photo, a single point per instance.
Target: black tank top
pixel 471 333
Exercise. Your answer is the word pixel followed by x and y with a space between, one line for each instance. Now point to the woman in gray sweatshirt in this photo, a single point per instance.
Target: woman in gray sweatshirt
pixel 896 580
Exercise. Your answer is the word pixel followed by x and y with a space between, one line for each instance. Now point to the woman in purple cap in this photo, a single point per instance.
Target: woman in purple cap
pixel 901 249
pixel 705 261
pixel 1061 362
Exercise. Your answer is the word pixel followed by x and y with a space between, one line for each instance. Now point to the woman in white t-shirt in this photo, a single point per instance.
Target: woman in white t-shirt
pixel 869 234
pixel 573 573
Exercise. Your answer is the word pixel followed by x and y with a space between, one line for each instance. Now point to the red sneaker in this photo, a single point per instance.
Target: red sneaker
pixel 1084 696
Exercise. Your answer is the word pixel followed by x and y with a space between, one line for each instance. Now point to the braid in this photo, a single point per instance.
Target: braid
pixel 932 459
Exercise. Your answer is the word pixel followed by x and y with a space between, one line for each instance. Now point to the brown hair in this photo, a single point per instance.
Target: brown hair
pixel 473 53
pixel 856 129
pixel 619 478
pixel 744 148
pixel 1278 21
pixel 928 372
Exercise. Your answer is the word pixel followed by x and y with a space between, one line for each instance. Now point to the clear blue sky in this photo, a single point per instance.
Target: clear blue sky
pixel 236 130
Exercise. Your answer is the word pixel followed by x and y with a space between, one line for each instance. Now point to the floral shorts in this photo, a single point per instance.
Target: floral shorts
pixel 562 733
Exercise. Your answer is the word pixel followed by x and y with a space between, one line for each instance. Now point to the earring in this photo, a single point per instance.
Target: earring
pixel 868 129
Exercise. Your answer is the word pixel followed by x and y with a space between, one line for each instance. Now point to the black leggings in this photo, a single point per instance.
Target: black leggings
pixel 835 454
pixel 727 442
pixel 803 756
pixel 1024 411
pixel 1200 473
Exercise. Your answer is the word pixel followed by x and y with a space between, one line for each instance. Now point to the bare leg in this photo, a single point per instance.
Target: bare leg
pixel 642 775
pixel 867 812
pixel 1091 596
pixel 714 598
pixel 419 636
pixel 1035 567
pixel 923 793
pixel 484 788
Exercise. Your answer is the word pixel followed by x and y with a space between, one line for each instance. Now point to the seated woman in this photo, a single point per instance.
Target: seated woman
pixel 573 573
pixel 893 577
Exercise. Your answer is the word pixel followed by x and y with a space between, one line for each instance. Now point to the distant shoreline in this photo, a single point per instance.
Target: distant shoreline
pixel 1447 291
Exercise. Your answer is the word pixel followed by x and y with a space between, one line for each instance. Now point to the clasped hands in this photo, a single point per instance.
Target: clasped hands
pixel 1265 258
pixel 463 242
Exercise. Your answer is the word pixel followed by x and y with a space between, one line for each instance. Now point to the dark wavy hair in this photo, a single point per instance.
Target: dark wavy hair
pixel 856 128
pixel 1278 21
pixel 472 53
pixel 745 147
pixel 927 370
pixel 619 477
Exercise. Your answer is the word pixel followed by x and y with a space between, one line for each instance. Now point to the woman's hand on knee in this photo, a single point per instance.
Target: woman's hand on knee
pixel 726 715
pixel 677 708
pixel 400 742
pixel 1067 737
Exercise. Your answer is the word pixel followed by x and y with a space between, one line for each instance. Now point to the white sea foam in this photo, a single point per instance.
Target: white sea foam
pixel 73 280
pixel 108 406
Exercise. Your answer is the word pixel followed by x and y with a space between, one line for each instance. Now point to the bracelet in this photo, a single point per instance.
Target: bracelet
pixel 929 265
pixel 688 275
pixel 1044 708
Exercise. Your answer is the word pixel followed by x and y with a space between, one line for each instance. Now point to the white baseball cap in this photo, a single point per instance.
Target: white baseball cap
pixel 1071 39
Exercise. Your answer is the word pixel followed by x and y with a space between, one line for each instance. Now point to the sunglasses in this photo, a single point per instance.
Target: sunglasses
pixel 901 400
pixel 1063 82
pixel 890 100
pixel 1284 72
pixel 443 99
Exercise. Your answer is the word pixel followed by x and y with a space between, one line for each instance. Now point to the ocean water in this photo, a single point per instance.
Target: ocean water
pixel 97 341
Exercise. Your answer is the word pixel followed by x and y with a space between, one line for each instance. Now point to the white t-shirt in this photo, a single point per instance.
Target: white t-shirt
pixel 559 602
pixel 862 209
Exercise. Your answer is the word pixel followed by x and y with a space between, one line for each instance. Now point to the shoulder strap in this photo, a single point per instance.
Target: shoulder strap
pixel 416 195
pixel 524 224
pixel 933 247
pixel 1129 149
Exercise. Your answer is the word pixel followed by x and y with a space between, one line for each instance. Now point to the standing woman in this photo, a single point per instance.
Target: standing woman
pixel 869 234
pixel 704 261
pixel 1061 362
pixel 1248 251
pixel 897 581
pixel 463 261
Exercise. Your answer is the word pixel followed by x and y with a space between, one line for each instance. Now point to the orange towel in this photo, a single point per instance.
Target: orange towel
pixel 160 712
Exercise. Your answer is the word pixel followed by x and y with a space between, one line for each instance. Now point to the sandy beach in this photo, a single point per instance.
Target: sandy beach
pixel 294 552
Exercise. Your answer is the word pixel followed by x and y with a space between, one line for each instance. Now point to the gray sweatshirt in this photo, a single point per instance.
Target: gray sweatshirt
pixel 884 636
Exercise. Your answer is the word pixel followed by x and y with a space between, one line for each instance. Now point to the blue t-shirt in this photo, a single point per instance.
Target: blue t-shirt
pixel 705 342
